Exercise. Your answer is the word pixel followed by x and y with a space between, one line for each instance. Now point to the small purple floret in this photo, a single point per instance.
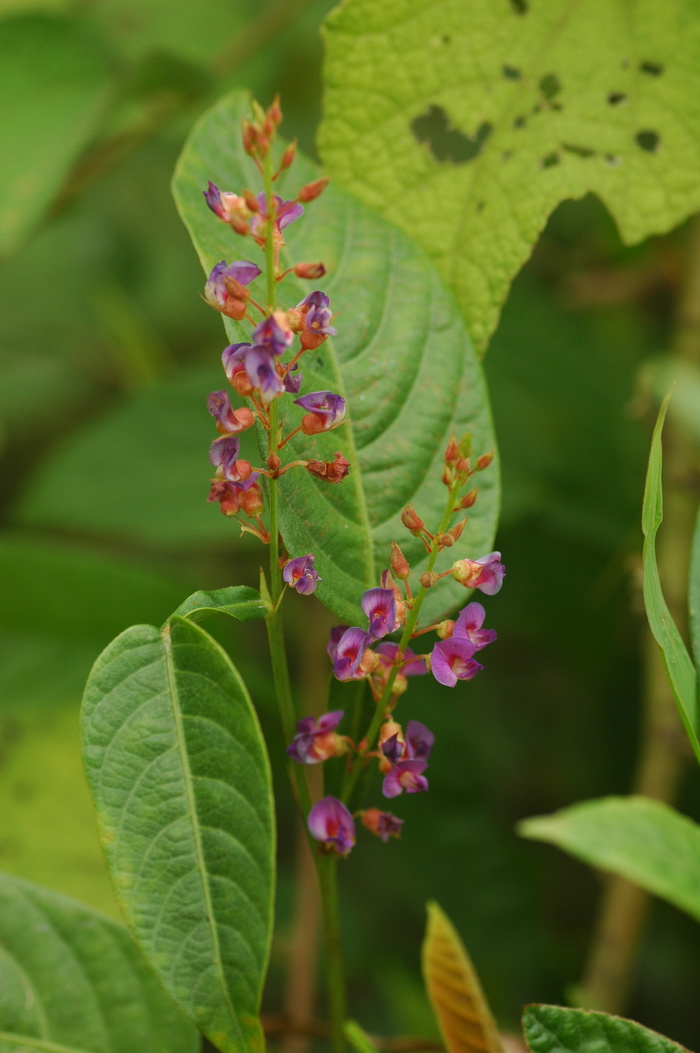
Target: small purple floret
pixel 272 337
pixel 286 212
pixel 469 624
pixel 262 374
pixel 405 775
pixel 451 660
pixel 233 358
pixel 318 313
pixel 223 454
pixel 332 824
pixel 419 740
pixel 413 666
pixel 349 652
pixel 327 406
pixel 241 271
pixel 301 575
pixel 314 740
pixel 380 607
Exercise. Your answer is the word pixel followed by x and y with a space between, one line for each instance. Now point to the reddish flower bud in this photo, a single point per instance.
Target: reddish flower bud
pixel 412 521
pixel 312 190
pixel 239 225
pixel 399 563
pixel 288 156
pixel 241 383
pixel 468 500
pixel 309 270
pixel 382 824
pixel 455 532
pixel 274 112
pixel 273 462
pixel 248 137
pixel 445 629
pixel 251 200
pixel 428 579
pixel 452 452
pixel 484 461
pixel 243 469
pixel 332 471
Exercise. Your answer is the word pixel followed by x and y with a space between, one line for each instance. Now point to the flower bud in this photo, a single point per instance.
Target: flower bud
pixel 273 461
pixel 239 225
pixel 428 579
pixel 445 629
pixel 288 156
pixel 468 500
pixel 332 471
pixel 412 521
pixel 452 452
pixel 248 137
pixel 399 563
pixel 274 112
pixel 309 270
pixel 312 190
pixel 484 461
pixel 251 201
pixel 243 469
pixel 446 540
pixel 455 532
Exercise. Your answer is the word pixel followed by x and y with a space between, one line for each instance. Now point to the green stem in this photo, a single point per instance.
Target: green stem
pixel 327 869
pixel 353 775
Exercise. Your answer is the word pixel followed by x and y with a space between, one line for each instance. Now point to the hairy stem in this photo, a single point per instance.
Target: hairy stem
pixel 664 748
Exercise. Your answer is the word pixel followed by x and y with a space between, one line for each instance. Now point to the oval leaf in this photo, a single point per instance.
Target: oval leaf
pixel 454 990
pixel 402 360
pixel 679 667
pixel 239 602
pixel 181 782
pixel 71 979
pixel 641 839
pixel 551 1029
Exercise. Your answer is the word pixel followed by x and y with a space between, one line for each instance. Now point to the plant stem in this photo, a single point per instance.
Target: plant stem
pixel 327 869
pixel 664 749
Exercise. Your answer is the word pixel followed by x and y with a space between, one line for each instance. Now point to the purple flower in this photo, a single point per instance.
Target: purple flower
pixel 485 574
pixel 262 373
pixel 469 624
pixel 331 823
pixel 223 454
pixel 272 337
pixel 349 652
pixel 293 383
pixel 334 639
pixel 286 212
pixel 380 607
pixel 412 666
pixel 326 411
pixel 224 204
pixel 383 824
pixel 227 419
pixel 405 775
pixel 300 574
pixel 233 358
pixel 311 318
pixel 316 740
pixel 419 740
pixel 215 291
pixel 451 660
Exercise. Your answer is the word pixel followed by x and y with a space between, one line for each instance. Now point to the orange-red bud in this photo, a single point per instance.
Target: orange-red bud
pixel 452 452
pixel 484 461
pixel 312 190
pixel 455 532
pixel 428 579
pixel 445 629
pixel 309 270
pixel 468 500
pixel 412 521
pixel 241 383
pixel 288 156
pixel 243 469
pixel 274 461
pixel 274 112
pixel 399 563
pixel 249 137
pixel 251 201
pixel 238 224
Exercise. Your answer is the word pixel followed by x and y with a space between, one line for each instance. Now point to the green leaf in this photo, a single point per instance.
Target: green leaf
pixel 694 594
pixel 679 667
pixel 551 1029
pixel 181 782
pixel 639 838
pixel 54 77
pixel 72 980
pixel 239 602
pixel 401 359
pixel 543 102
pixel 358 1038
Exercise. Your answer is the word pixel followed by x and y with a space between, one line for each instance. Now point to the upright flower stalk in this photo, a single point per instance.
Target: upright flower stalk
pixel 266 373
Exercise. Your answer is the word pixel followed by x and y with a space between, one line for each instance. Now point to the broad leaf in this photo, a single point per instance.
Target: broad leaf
pixel 401 359
pixel 551 1029
pixel 454 990
pixel 180 778
pixel 639 838
pixel 72 980
pixel 541 102
pixel 679 667
pixel 54 76
pixel 239 602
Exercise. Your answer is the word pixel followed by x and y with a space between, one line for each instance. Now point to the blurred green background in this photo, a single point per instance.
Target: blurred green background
pixel 107 354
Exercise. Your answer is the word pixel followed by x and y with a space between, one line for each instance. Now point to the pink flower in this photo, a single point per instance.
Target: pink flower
pixel 316 740
pixel 451 660
pixel 485 574
pixel 331 823
pixel 469 624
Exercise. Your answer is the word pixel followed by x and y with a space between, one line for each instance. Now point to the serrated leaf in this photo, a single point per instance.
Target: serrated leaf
pixel 54 76
pixel 239 602
pixel 73 980
pixel 181 782
pixel 541 102
pixel 551 1029
pixel 679 667
pixel 639 838
pixel 401 359
pixel 454 990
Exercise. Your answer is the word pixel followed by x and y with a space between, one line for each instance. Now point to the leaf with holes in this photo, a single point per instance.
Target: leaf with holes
pixel 467 123
pixel 551 1029
pixel 643 840
pixel 181 783
pixel 401 359
pixel 679 667
pixel 72 981
pixel 454 990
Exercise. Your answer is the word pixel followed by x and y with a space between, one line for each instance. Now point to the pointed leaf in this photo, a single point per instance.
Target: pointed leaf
pixel 402 361
pixel 551 1029
pixel 543 102
pixel 180 778
pixel 694 594
pixel 636 837
pixel 358 1038
pixel 454 990
pixel 71 979
pixel 679 667
pixel 238 601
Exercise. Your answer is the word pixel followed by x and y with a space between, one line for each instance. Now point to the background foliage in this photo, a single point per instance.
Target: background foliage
pixel 107 356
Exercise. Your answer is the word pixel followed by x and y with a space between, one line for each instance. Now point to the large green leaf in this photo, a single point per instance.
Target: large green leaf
pixel 238 601
pixel 551 1029
pixel 180 778
pixel 54 76
pixel 679 667
pixel 641 839
pixel 467 123
pixel 73 981
pixel 402 360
